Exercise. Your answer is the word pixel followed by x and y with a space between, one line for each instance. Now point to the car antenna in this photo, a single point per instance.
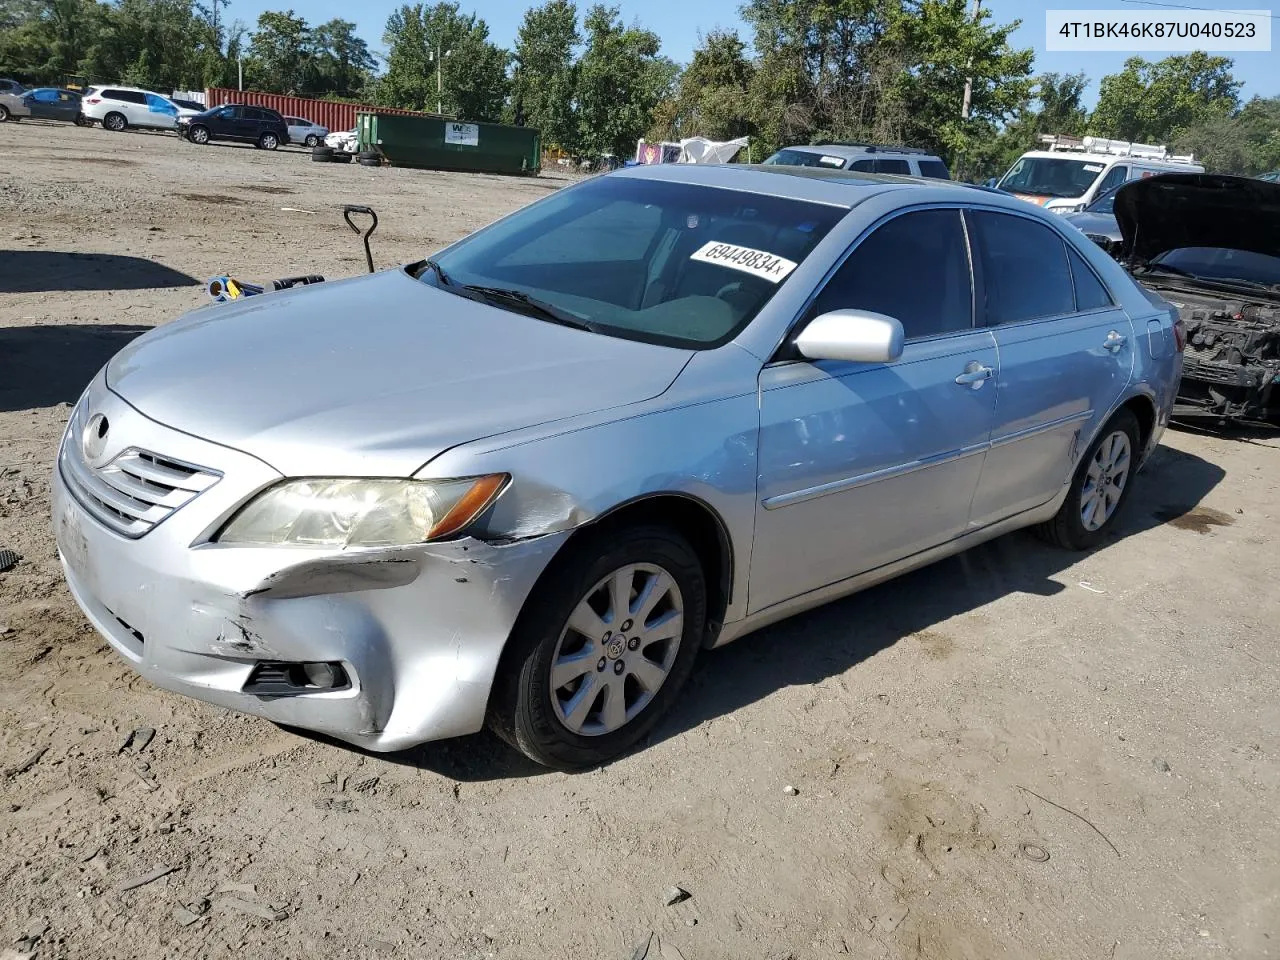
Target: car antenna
pixel 347 211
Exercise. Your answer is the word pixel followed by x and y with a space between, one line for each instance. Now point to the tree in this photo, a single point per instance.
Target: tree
pixel 542 88
pixel 1247 143
pixel 1149 102
pixel 46 40
pixel 280 57
pixel 621 79
pixel 472 70
pixel 343 63
pixel 712 96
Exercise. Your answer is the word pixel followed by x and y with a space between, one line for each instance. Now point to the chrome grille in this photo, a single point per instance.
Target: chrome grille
pixel 136 490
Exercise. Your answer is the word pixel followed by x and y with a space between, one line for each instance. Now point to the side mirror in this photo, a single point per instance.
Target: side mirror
pixel 855 335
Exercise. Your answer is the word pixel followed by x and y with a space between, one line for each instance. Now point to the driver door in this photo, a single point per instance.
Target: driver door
pixel 863 464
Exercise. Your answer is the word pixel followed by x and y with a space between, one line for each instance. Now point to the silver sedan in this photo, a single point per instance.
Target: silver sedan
pixel 526 481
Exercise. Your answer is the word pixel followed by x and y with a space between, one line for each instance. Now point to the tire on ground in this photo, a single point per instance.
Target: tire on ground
pixel 322 154
pixel 1066 529
pixel 521 709
pixel 341 156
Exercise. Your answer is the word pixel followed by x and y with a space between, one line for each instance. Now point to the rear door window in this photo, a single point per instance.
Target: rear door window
pixel 1090 293
pixel 914 268
pixel 885 165
pixel 128 96
pixel 863 166
pixel 1025 274
pixel 934 170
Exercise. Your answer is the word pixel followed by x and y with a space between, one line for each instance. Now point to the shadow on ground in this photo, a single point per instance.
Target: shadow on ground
pixel 44 271
pixel 47 365
pixel 830 640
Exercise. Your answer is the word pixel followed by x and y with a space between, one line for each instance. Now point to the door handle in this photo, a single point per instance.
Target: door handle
pixel 975 375
pixel 1114 341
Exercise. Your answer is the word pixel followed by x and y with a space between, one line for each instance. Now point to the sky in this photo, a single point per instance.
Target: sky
pixel 680 22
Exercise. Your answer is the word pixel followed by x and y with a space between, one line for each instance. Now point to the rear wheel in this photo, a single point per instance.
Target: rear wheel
pixel 602 648
pixel 115 122
pixel 1100 487
pixel 312 140
pixel 268 141
pixel 198 135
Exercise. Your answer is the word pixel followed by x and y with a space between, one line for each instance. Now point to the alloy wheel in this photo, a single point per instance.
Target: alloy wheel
pixel 617 649
pixel 1105 480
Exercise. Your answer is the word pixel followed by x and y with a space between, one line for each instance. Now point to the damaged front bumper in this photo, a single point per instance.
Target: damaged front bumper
pixel 412 636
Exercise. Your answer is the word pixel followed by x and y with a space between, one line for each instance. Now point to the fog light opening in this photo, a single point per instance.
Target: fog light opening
pixel 289 679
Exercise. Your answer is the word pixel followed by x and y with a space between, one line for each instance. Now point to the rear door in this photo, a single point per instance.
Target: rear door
pixel 133 104
pixel 862 464
pixel 68 105
pixel 1066 355
pixel 42 103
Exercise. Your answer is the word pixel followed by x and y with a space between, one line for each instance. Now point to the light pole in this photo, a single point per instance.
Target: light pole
pixel 968 83
pixel 438 56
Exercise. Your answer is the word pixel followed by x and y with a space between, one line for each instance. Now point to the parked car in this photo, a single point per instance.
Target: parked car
pixel 1097 221
pixel 193 106
pixel 262 127
pixel 864 158
pixel 345 140
pixel 119 108
pixel 302 130
pixel 1210 245
pixel 529 479
pixel 43 103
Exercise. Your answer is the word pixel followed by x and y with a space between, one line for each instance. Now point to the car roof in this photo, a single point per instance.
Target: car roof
pixel 1173 166
pixel 842 188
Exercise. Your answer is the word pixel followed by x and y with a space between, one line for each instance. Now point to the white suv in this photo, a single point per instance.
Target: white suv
pixel 119 108
pixel 864 158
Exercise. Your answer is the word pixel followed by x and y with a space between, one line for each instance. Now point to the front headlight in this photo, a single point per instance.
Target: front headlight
pixel 362 513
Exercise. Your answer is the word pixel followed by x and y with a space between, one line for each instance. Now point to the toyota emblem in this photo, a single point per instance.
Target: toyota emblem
pixel 93 441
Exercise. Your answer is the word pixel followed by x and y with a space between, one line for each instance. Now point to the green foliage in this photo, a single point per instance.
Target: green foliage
pixel 440 57
pixel 1148 102
pixel 1246 143
pixel 545 77
pixel 711 98
pixel 621 78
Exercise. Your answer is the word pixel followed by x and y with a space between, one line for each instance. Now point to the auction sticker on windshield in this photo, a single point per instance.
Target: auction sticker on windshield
pixel 758 263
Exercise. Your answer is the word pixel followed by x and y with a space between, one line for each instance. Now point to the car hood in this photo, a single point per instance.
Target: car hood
pixel 376 375
pixel 1175 210
pixel 1103 224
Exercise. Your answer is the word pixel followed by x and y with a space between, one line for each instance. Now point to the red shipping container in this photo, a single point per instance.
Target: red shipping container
pixel 328 113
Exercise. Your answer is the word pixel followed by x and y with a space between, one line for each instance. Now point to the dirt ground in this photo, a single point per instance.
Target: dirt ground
pixel 1016 753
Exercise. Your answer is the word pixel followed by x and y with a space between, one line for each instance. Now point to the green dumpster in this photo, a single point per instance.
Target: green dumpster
pixel 436 143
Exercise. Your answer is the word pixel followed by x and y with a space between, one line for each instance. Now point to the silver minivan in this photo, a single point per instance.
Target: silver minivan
pixel 525 481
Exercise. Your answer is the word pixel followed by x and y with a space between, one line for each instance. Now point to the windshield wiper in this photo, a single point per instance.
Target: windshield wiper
pixel 531 305
pixel 438 271
pixel 1168 268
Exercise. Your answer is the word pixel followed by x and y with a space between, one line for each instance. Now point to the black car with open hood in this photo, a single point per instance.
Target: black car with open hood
pixel 1210 245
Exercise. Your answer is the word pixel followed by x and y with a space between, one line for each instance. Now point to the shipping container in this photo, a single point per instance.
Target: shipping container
pixel 328 113
pixel 436 143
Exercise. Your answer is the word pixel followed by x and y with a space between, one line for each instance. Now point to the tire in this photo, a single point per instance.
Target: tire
pixel 4 113
pixel 569 729
pixel 370 162
pixel 1115 447
pixel 369 155
pixel 312 141
pixel 115 122
pixel 340 156
pixel 268 141
pixel 199 135
pixel 322 154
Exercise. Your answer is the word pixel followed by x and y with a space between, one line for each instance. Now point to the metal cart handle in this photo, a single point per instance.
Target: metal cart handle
pixel 347 211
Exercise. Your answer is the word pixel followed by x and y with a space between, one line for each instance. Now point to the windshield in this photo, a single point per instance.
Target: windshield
pixel 1051 176
pixel 806 158
pixel 668 263
pixel 1106 202
pixel 1220 263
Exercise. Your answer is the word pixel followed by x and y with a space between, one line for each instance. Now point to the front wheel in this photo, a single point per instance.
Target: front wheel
pixel 268 141
pixel 602 649
pixel 1100 487
pixel 312 141
pixel 4 113
pixel 198 135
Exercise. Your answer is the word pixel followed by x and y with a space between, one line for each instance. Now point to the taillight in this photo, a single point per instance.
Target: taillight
pixel 1179 335
pixel 94 100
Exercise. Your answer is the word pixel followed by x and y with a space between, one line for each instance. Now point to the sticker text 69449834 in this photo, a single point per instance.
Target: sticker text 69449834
pixel 755 262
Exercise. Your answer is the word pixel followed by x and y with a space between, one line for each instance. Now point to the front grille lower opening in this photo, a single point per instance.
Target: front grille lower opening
pixel 284 679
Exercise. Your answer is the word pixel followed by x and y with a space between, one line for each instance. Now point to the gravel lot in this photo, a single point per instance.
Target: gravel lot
pixel 1016 753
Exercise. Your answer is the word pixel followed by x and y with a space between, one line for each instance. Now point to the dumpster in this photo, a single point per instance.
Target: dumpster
pixel 436 143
